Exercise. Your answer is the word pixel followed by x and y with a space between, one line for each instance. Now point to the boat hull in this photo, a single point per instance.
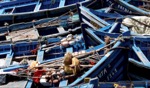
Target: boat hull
pixel 29 16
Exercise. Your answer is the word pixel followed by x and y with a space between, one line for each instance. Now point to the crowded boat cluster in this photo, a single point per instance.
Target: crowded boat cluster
pixel 74 43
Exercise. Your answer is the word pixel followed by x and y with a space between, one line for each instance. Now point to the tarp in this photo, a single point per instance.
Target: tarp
pixel 138 24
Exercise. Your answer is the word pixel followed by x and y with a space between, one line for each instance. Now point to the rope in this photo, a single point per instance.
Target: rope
pixel 96 54
pixel 119 47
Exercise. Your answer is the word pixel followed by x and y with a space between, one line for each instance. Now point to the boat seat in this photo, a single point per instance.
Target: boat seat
pixel 62 3
pixel 9 58
pixel 61 29
pixel 40 56
pixel 69 49
pixel 63 83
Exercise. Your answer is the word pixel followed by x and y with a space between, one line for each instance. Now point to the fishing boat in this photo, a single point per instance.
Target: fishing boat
pixel 138 25
pixel 101 18
pixel 124 84
pixel 139 58
pixel 20 55
pixel 28 10
pixel 53 47
pixel 108 67
pixel 22 49
pixel 41 29
pixel 138 7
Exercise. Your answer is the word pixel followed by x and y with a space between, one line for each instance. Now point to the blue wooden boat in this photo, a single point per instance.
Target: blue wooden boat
pixel 109 67
pixel 94 83
pixel 40 29
pixel 138 7
pixel 139 58
pixel 23 25
pixel 28 10
pixel 44 50
pixel 40 51
pixel 101 18
pixel 52 48
pixel 125 84
pixel 104 17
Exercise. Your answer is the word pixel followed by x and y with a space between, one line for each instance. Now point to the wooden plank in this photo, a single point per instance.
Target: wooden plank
pixel 61 29
pixel 37 7
pixel 40 56
pixel 62 3
pixel 12 10
pixel 141 56
pixel 9 58
pixel 85 12
pixel 94 36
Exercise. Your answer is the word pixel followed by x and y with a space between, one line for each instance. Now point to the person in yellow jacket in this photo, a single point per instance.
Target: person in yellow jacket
pixel 71 64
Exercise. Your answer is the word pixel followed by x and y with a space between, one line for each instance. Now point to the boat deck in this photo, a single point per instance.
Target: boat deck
pixel 23 35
